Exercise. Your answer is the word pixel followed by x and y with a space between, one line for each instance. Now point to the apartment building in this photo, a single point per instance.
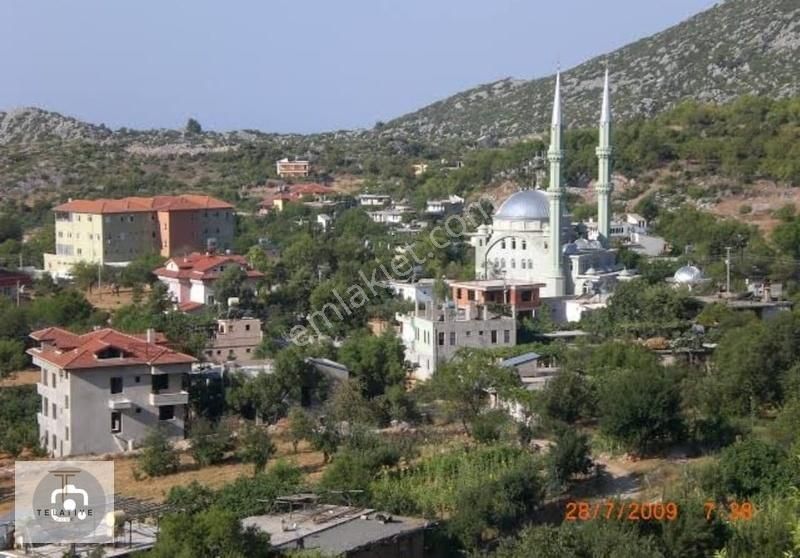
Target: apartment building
pixel 234 340
pixel 292 168
pixel 190 279
pixel 115 232
pixel 480 315
pixel 103 391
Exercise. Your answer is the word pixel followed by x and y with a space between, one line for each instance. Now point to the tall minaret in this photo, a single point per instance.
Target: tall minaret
pixel 554 193
pixel 604 185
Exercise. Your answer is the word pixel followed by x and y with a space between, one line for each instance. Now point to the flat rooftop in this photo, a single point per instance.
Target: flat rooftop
pixel 332 529
pixel 495 284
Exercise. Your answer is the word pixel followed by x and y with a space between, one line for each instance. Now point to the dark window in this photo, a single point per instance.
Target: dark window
pixel 494 336
pixel 160 381
pixel 506 336
pixel 470 294
pixel 452 337
pixel 527 296
pixel 458 292
pixel 441 338
pixel 116 385
pixel 116 421
pixel 138 410
pixel 167 412
pixel 138 379
pixel 247 327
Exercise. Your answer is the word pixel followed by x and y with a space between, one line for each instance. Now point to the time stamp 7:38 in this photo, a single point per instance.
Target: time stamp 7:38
pixel 617 510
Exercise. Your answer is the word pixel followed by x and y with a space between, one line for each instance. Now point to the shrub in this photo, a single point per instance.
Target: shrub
pixel 158 457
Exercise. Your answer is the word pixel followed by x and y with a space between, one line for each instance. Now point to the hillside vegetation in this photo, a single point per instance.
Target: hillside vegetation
pixel 738 47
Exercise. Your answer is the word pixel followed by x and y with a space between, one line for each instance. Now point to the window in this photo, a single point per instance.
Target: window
pixel 513 244
pixel 513 263
pixel 137 379
pixel 506 336
pixel 524 245
pixel 458 292
pixel 46 437
pixel 167 412
pixel 116 421
pixel 480 333
pixel 468 333
pixel 470 294
pixel 55 442
pixel 116 385
pixel 530 264
pixel 247 327
pixel 45 406
pixel 66 433
pixel 55 410
pixel 53 379
pixel 452 338
pixel 523 264
pixel 66 401
pixel 494 336
pixel 160 381
pixel 441 338
pixel 44 377
pixel 503 244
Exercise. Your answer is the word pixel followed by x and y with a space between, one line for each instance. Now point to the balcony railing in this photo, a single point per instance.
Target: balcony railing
pixel 119 403
pixel 172 398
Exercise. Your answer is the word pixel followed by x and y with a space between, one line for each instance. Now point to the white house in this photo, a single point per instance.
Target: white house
pixel 190 279
pixel 103 391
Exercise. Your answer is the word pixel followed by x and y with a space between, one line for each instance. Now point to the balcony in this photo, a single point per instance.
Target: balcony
pixel 42 389
pixel 119 403
pixel 171 398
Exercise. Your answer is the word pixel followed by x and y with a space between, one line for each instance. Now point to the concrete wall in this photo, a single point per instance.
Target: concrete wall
pixel 429 342
pixel 235 340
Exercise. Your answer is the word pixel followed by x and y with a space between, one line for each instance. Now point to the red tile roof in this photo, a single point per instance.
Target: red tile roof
pixel 136 204
pixel 202 266
pixel 70 351
pixel 293 192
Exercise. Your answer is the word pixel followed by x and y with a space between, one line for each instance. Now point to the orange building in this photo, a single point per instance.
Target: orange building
pixel 115 232
pixel 521 296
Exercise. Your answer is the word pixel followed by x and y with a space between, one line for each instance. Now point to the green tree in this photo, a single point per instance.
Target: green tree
pixel 376 361
pixel 570 456
pixel 158 457
pixel 212 532
pixel 256 447
pixel 464 383
pixel 193 127
pixel 12 356
pixel 209 442
pixel 640 408
pixel 301 426
pixel 85 275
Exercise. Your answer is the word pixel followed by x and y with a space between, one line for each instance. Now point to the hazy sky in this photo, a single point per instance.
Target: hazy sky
pixel 294 65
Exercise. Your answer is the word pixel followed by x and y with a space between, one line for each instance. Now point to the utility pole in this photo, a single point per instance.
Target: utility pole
pixel 728 271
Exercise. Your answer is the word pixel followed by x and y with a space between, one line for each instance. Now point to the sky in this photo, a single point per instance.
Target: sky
pixel 294 65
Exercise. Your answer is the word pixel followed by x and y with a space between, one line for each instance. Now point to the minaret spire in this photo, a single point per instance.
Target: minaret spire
pixel 555 192
pixel 604 186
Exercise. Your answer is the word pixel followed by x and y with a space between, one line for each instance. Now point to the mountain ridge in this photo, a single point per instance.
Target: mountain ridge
pixel 735 48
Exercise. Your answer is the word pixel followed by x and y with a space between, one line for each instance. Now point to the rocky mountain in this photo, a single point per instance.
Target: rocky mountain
pixel 735 48
pixel 33 125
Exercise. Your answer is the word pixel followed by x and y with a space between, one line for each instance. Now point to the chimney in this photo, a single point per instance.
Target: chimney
pixel 151 335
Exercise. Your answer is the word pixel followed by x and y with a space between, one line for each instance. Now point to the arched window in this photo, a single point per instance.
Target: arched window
pixel 523 264
pixel 513 244
pixel 513 263
pixel 503 244
pixel 530 264
pixel 524 245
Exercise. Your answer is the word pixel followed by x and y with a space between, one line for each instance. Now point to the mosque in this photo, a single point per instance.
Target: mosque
pixel 531 237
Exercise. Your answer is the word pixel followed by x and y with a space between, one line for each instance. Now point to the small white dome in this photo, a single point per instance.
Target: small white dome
pixel 688 275
pixel 525 205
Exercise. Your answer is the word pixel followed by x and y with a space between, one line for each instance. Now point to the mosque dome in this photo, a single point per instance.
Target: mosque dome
pixel 525 205
pixel 688 275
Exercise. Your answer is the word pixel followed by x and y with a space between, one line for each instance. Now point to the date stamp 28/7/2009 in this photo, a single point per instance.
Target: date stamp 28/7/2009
pixel 619 510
